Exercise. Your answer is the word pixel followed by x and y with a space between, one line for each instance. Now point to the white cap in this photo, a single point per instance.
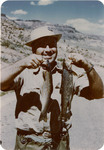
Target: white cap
pixel 42 32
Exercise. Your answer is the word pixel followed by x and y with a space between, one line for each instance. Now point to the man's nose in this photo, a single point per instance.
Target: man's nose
pixel 47 49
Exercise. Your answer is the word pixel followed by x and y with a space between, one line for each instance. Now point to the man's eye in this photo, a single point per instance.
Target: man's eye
pixel 52 52
pixel 42 53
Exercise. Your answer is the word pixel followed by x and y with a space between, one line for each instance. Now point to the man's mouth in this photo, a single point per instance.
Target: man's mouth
pixel 47 57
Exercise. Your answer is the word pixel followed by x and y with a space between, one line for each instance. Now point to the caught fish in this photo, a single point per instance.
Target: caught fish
pixel 66 90
pixel 46 92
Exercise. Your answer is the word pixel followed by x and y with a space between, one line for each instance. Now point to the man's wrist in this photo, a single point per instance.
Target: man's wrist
pixel 22 64
pixel 88 67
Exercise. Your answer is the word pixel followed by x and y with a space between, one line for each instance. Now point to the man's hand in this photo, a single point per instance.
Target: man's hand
pixel 95 90
pixel 79 61
pixel 33 61
pixel 9 73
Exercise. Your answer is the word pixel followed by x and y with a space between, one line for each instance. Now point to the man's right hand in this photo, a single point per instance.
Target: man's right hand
pixel 9 73
pixel 32 61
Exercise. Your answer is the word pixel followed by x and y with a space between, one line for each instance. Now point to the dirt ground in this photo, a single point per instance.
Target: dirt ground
pixel 87 132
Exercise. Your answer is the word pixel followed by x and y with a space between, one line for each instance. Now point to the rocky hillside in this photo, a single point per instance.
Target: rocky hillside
pixel 92 42
pixel 14 35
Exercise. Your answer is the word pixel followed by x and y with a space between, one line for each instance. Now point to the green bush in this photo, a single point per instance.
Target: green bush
pixel 12 46
pixel 6 43
pixel 60 59
pixel 3 93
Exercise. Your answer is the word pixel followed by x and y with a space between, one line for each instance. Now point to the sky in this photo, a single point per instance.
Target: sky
pixel 85 16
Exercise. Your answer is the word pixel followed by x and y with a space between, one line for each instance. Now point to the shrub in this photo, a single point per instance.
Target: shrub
pixel 6 43
pixel 3 93
pixel 12 46
pixel 60 59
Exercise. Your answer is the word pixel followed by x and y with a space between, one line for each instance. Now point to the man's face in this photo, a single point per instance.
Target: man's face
pixel 47 47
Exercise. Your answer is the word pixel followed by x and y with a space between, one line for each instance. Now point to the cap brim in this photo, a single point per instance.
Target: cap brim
pixel 57 36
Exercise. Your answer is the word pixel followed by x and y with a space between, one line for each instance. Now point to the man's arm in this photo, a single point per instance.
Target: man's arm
pixel 95 90
pixel 8 74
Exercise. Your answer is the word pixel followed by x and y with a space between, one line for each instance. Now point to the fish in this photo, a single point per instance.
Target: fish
pixel 45 92
pixel 67 88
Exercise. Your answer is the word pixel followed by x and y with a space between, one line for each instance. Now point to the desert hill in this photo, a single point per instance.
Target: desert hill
pixel 15 33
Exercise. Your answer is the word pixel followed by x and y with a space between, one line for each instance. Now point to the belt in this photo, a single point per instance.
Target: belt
pixel 27 132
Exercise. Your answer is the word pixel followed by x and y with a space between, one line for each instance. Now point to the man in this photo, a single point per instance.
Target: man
pixel 25 77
